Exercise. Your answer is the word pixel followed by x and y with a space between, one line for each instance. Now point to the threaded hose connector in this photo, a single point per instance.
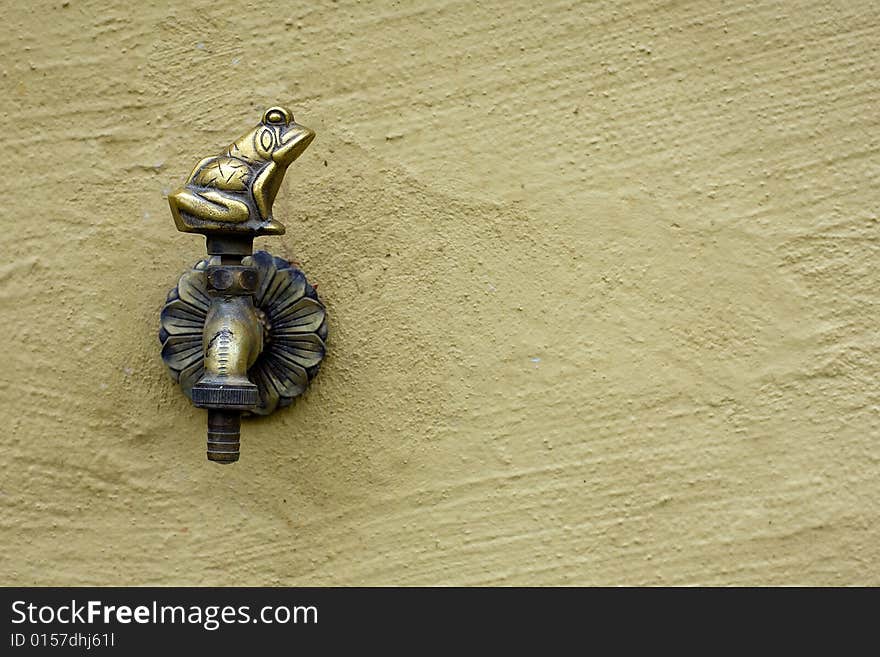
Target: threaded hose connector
pixel 224 435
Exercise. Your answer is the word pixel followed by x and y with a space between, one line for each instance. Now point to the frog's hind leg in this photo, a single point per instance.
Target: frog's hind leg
pixel 207 205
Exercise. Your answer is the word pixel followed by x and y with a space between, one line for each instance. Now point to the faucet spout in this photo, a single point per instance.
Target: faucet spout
pixel 232 340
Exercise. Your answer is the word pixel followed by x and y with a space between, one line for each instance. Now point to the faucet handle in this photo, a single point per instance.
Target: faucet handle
pixel 228 197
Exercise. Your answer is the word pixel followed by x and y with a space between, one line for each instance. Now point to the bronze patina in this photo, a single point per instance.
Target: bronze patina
pixel 242 332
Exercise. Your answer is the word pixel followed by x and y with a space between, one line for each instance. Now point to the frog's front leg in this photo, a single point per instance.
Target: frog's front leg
pixel 208 205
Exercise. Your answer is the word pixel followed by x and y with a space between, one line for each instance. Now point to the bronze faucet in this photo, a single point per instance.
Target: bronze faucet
pixel 242 332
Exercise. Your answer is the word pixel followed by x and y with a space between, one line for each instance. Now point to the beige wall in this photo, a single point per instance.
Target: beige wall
pixel 602 283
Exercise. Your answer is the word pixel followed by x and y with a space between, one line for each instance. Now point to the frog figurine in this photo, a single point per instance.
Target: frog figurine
pixel 233 192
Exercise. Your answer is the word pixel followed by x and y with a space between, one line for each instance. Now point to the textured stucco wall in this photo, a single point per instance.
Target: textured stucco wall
pixel 602 283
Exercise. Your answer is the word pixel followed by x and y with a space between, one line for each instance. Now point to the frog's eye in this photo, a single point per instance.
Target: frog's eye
pixel 267 140
pixel 276 116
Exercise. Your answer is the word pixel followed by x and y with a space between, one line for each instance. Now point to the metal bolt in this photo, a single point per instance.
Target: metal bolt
pixel 248 279
pixel 220 279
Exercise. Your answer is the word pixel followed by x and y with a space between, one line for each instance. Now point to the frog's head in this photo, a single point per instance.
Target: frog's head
pixel 278 138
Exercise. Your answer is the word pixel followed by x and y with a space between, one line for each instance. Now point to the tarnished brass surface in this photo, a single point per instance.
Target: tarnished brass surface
pixel 233 192
pixel 291 315
pixel 232 338
pixel 240 332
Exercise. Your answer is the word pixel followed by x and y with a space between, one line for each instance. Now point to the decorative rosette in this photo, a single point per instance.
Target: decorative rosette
pixel 295 330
